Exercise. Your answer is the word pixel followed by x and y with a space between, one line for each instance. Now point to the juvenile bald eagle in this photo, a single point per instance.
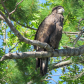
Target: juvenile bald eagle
pixel 49 31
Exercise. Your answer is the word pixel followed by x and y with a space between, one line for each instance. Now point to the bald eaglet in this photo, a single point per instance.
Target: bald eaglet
pixel 49 31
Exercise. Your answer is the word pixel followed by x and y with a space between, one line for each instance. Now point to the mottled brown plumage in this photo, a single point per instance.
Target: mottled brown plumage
pixel 49 31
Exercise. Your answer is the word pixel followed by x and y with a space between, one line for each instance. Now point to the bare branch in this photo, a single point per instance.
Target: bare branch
pixel 61 52
pixel 15 7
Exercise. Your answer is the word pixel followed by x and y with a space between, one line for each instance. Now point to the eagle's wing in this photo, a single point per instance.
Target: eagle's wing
pixel 44 31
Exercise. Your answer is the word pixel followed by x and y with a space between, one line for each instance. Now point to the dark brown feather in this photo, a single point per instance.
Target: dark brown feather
pixel 49 31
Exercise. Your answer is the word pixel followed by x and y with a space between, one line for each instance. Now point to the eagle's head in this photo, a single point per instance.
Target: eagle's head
pixel 58 9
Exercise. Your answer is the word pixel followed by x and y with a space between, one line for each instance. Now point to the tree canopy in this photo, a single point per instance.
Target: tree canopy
pixel 19 21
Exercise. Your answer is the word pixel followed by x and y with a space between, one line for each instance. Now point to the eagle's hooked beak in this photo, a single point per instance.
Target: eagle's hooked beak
pixel 61 10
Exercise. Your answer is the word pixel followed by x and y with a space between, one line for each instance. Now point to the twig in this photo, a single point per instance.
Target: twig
pixel 77 76
pixel 55 75
pixel 52 75
pixel 71 33
pixel 63 59
pixel 79 22
pixel 79 35
pixel 4 1
pixel 24 25
pixel 15 7
pixel 27 26
pixel 13 47
pixel 51 79
pixel 82 39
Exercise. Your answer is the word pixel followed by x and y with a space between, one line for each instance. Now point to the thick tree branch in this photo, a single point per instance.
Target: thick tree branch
pixel 23 39
pixel 57 53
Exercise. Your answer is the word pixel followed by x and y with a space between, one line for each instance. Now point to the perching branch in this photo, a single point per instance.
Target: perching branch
pixel 57 53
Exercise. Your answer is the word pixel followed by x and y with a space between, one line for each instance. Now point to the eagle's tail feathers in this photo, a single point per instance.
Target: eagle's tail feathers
pixel 43 66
